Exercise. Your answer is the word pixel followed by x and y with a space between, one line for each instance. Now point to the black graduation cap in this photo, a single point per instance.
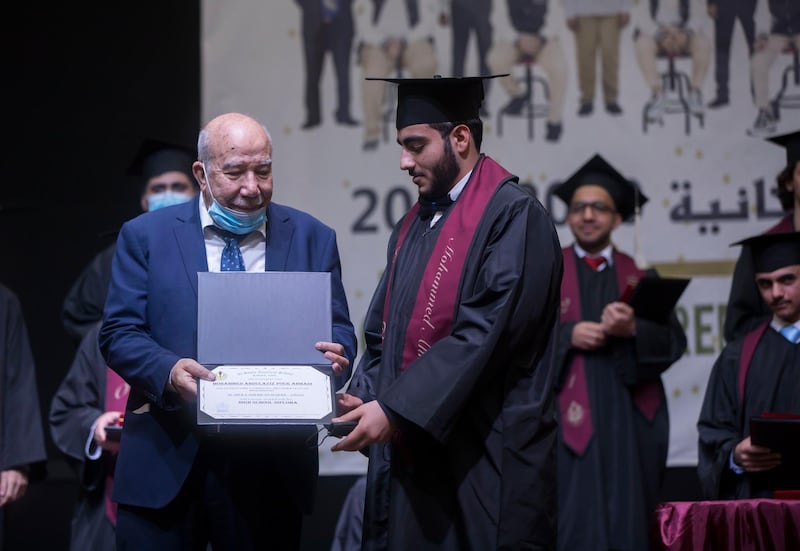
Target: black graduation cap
pixel 773 251
pixel 790 142
pixel 598 172
pixel 437 99
pixel 157 157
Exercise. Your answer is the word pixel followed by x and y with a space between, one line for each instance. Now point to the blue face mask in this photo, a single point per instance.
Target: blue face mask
pixel 234 221
pixel 166 199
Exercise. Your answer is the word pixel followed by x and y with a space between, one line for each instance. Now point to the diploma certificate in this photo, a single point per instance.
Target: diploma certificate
pixel 265 394
pixel 257 331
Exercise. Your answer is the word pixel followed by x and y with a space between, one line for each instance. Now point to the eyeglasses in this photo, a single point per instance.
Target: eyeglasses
pixel 597 207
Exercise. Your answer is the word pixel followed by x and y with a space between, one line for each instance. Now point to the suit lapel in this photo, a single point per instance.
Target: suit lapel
pixel 279 236
pixel 191 244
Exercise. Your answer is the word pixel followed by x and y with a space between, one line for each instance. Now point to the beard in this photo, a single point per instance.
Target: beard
pixel 443 174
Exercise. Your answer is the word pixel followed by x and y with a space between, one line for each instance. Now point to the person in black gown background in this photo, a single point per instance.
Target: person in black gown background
pixel 165 172
pixel 746 308
pixel 614 422
pixel 757 373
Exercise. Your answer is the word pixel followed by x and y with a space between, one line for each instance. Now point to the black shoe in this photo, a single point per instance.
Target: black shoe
pixel 514 107
pixel 553 133
pixel 613 108
pixel 346 120
pixel 585 109
pixel 717 102
pixel 370 145
pixel 310 123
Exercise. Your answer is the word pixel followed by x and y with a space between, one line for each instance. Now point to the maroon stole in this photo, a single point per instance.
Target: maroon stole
pixel 117 391
pixel 751 340
pixel 786 225
pixel 434 306
pixel 573 400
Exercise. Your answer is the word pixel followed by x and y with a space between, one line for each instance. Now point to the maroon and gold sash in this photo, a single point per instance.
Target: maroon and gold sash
pixel 573 400
pixel 434 306
pixel 117 391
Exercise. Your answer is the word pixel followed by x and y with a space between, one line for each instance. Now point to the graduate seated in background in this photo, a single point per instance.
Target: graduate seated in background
pixel 165 172
pixel 393 38
pixel 777 28
pixel 90 399
pixel 534 44
pixel 613 412
pixel 757 373
pixel 671 31
pixel 746 309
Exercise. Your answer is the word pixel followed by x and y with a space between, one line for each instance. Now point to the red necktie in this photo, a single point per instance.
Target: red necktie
pixel 595 262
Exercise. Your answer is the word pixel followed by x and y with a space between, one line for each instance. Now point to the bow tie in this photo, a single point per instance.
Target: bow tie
pixel 427 207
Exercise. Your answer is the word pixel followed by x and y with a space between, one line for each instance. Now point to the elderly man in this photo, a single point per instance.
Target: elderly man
pixel 176 485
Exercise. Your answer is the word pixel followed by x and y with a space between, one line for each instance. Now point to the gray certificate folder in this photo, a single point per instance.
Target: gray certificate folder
pixel 264 319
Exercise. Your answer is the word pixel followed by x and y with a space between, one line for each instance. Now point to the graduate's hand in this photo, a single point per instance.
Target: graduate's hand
pixel 100 436
pixel 373 426
pixel 334 353
pixel 345 403
pixel 618 320
pixel 754 459
pixel 13 484
pixel 182 378
pixel 588 335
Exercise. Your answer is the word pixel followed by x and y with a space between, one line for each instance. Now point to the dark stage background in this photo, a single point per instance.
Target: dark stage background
pixel 83 87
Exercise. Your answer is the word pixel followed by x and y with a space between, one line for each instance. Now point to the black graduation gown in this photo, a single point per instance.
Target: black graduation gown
pixel 83 305
pixel 21 433
pixel 347 536
pixel 476 412
pixel 79 400
pixel 607 495
pixel 772 384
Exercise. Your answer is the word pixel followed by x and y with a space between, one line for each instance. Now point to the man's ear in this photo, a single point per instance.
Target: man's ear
pixel 461 138
pixel 199 174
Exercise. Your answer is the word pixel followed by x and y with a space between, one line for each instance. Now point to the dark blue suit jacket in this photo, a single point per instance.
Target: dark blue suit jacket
pixel 150 322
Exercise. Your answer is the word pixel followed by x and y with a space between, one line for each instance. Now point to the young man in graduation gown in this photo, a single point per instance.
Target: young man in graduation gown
pixel 746 309
pixel 453 395
pixel 757 373
pixel 89 399
pixel 613 412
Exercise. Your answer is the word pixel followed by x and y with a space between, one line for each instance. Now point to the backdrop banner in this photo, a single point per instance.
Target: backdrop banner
pixel 708 172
